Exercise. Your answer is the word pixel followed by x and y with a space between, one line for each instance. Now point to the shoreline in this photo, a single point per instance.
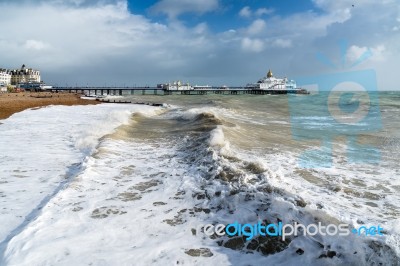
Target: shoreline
pixel 11 103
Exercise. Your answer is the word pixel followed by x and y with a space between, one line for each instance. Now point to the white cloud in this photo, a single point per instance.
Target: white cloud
pixel 245 12
pixel 78 3
pixel 257 27
pixel 201 28
pixel 35 45
pixel 96 43
pixel 75 2
pixel 282 43
pixel 264 11
pixel 378 53
pixel 174 8
pixel 252 45
pixel 331 6
pixel 101 41
pixel 356 53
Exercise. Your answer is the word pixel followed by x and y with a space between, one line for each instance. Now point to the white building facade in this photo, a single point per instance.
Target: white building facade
pixel 176 86
pixel 271 83
pixel 5 77
pixel 24 75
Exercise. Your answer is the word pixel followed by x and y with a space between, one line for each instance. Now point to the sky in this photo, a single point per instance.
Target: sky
pixel 207 42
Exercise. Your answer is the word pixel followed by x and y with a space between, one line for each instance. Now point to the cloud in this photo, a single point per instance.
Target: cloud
pixel 282 43
pixel 35 45
pixel 246 12
pixel 97 44
pixel 174 8
pixel 257 27
pixel 102 42
pixel 329 6
pixel 76 34
pixel 355 53
pixel 252 45
pixel 264 11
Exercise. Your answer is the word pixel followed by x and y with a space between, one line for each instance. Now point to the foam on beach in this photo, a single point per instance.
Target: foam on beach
pixel 43 149
pixel 122 184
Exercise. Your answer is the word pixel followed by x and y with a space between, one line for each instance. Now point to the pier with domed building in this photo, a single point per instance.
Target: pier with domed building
pixel 266 85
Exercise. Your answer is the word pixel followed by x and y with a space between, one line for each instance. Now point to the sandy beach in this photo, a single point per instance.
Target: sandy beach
pixel 11 103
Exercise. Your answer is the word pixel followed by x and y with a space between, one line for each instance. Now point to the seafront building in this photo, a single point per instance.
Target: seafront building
pixel 24 75
pixel 5 77
pixel 266 85
pixel 179 86
pixel 269 82
pixel 176 86
pixel 22 78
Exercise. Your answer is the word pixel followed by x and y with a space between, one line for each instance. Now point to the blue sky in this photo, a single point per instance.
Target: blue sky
pixel 226 15
pixel 119 42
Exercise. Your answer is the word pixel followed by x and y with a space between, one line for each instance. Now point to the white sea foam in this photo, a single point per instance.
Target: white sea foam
pixel 115 211
pixel 217 137
pixel 41 149
pixel 133 200
pixel 338 193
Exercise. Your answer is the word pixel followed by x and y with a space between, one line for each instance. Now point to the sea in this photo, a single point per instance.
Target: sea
pixel 135 184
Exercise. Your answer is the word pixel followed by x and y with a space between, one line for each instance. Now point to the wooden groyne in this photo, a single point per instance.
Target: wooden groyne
pixel 127 102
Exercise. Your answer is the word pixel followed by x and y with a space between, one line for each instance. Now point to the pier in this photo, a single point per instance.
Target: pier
pixel 123 91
